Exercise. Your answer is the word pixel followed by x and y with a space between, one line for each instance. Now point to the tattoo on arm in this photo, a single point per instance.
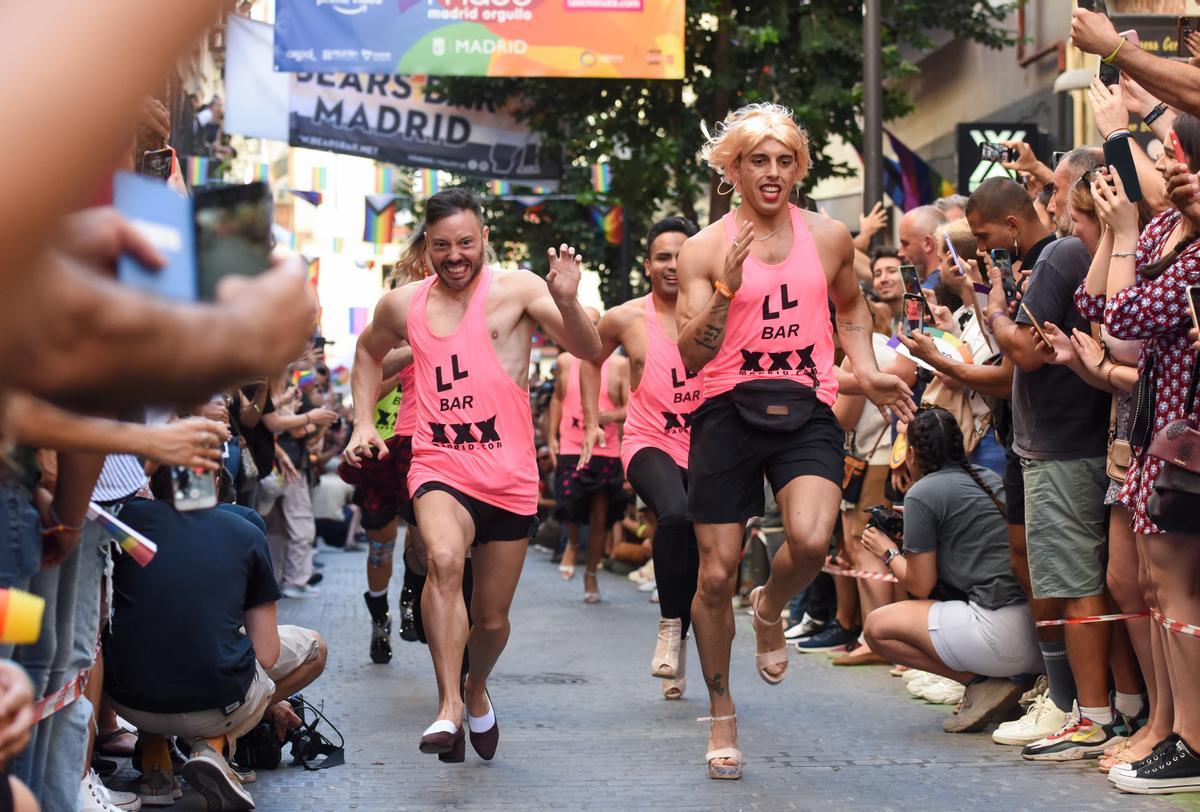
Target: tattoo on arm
pixel 713 331
pixel 845 326
pixel 714 684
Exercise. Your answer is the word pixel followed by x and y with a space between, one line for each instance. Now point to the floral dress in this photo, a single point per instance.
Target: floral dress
pixel 1155 311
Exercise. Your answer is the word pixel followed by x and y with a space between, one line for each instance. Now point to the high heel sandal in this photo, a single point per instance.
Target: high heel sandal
pixel 485 743
pixel 591 595
pixel 666 652
pixel 447 740
pixel 769 658
pixel 567 571
pixel 726 772
pixel 673 688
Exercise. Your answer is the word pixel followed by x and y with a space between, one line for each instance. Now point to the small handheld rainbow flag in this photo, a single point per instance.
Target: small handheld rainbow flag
pixel 139 548
pixel 319 178
pixel 197 170
pixel 947 344
pixel 262 172
pixel 384 180
pixel 380 219
pixel 20 617
pixel 309 197
pixel 304 377
pixel 313 272
pixel 429 182
pixel 359 316
pixel 601 177
pixel 499 187
pixel 341 375
pixel 610 223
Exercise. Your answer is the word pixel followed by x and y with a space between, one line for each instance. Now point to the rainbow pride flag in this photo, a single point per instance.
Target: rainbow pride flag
pixel 338 245
pixel 429 182
pixel 319 178
pixel 384 180
pixel 197 170
pixel 314 198
pixel 262 172
pixel 359 316
pixel 139 548
pixel 499 187
pixel 20 617
pixel 611 223
pixel 313 271
pixel 379 220
pixel 304 377
pixel 947 344
pixel 602 177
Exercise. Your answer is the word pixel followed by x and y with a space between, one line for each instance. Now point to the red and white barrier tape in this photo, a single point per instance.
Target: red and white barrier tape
pixel 1176 626
pixel 1071 621
pixel 864 574
pixel 64 696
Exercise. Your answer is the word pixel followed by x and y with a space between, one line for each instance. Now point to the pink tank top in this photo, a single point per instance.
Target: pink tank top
pixel 778 325
pixel 570 425
pixel 659 414
pixel 406 418
pixel 474 429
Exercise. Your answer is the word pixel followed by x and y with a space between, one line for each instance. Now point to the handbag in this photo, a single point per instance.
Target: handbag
pixel 775 406
pixel 1141 415
pixel 248 465
pixel 1119 450
pixel 1174 503
pixel 855 469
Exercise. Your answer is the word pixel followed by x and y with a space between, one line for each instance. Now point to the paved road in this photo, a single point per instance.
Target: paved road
pixel 584 727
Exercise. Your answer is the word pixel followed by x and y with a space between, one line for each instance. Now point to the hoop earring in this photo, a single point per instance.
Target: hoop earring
pixel 725 193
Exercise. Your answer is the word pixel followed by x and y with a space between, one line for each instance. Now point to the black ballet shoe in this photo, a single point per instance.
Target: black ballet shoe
pixel 485 743
pixel 449 747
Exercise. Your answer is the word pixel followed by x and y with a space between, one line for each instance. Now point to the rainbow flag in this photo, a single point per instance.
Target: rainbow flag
pixel 313 271
pixel 384 180
pixel 139 548
pixel 909 180
pixel 611 223
pixel 319 178
pixel 429 182
pixel 304 377
pixel 338 245
pixel 379 220
pixel 314 198
pixel 601 177
pixel 197 170
pixel 341 375
pixel 499 187
pixel 359 316
pixel 947 344
pixel 20 616
pixel 262 172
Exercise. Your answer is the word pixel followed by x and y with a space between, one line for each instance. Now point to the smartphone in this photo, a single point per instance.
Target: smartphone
pixel 1003 263
pixel 1056 158
pixel 1175 145
pixel 911 279
pixel 1097 6
pixel 157 163
pixel 1111 74
pixel 1119 154
pixel 1194 304
pixel 958 263
pixel 914 314
pixel 194 488
pixel 1036 325
pixel 997 153
pixel 1183 27
pixel 233 233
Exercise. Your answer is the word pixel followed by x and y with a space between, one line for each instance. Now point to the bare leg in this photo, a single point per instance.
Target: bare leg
pixel 899 632
pixel 380 555
pixel 1162 708
pixel 497 567
pixel 808 507
pixel 712 621
pixel 597 530
pixel 1087 650
pixel 847 600
pixel 1174 558
pixel 353 525
pixel 448 531
pixel 872 594
pixel 94 691
pixel 571 554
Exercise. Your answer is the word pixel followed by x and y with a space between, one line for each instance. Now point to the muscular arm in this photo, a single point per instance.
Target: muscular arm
pixel 564 318
pixel 700 311
pixel 853 316
pixel 263 631
pixel 395 361
pixel 991 380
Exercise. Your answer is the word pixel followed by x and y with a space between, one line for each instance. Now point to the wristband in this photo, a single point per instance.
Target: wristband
pixel 1121 133
pixel 991 320
pixel 723 289
pixel 1123 254
pixel 58 526
pixel 1108 60
pixel 1155 114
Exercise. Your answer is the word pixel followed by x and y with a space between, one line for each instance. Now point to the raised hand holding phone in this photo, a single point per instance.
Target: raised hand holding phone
pixel 1113 206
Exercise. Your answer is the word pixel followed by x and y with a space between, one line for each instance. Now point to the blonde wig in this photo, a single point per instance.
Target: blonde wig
pixel 747 127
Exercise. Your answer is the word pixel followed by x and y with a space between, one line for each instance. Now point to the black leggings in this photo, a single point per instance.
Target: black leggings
pixel 663 487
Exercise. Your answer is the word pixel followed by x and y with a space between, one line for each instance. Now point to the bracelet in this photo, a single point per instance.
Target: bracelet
pixel 1155 114
pixel 1123 254
pixel 1108 60
pixel 58 527
pixel 723 289
pixel 991 320
pixel 1111 369
pixel 1121 133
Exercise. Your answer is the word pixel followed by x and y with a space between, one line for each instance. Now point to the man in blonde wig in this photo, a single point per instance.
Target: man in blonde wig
pixel 754 320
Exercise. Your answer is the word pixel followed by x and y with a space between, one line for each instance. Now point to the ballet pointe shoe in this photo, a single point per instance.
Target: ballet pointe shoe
pixel 447 739
pixel 769 658
pixel 666 652
pixel 723 772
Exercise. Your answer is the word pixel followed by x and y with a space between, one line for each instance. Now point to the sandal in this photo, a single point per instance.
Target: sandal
pixel 673 688
pixel 591 595
pixel 726 772
pixel 1118 756
pixel 770 658
pixel 111 743
pixel 666 653
pixel 567 569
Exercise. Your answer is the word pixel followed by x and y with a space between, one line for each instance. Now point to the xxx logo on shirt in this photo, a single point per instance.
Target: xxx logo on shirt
pixel 676 422
pixel 781 363
pixel 467 436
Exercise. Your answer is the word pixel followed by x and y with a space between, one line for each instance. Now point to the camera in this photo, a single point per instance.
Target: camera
pixel 998 153
pixel 887 521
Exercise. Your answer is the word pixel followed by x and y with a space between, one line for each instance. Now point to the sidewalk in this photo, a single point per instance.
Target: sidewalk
pixel 583 725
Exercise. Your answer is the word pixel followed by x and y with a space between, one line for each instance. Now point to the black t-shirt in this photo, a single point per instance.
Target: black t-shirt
pixel 259 439
pixel 1056 415
pixel 174 644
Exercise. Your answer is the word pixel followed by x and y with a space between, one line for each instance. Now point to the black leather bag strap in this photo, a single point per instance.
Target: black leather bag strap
pixel 1191 398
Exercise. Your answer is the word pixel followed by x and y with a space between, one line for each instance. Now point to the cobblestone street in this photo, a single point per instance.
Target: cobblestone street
pixel 583 725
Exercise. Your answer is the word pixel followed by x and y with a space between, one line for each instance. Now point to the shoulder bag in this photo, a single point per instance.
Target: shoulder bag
pixel 1175 501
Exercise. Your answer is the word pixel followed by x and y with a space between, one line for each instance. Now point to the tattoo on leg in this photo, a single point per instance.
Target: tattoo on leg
pixel 714 684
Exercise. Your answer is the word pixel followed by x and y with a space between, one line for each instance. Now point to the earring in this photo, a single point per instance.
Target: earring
pixel 725 192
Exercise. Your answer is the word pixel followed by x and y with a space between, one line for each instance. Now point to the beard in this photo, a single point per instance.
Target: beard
pixel 455 277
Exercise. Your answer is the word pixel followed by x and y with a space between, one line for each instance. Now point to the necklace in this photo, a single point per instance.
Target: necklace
pixel 787 223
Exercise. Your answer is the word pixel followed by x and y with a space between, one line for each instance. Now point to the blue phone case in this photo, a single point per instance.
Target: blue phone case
pixel 164 217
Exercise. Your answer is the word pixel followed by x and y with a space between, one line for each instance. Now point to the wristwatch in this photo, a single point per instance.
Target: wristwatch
pixel 890 554
pixel 1155 114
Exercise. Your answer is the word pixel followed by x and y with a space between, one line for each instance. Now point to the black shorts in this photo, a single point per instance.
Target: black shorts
pixel 491 523
pixel 1014 488
pixel 729 457
pixel 574 487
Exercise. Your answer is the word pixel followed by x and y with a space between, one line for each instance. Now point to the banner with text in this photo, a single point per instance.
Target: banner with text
pixel 402 120
pixel 630 39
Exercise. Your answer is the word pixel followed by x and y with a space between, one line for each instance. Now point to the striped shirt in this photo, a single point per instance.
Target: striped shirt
pixel 121 477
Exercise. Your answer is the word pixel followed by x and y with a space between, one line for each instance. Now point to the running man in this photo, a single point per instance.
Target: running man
pixel 473 478
pixel 754 321
pixel 654 449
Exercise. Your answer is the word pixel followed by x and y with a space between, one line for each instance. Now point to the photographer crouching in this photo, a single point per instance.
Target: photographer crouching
pixel 970 621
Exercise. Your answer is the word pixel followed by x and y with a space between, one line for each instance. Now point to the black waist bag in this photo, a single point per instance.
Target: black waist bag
pixel 776 406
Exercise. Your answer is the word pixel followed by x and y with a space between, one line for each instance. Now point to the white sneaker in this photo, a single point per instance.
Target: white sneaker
pixel 805 628
pixel 643 573
pixel 647 586
pixel 654 596
pixel 301 592
pixel 207 773
pixel 943 691
pixel 1042 718
pixel 95 797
